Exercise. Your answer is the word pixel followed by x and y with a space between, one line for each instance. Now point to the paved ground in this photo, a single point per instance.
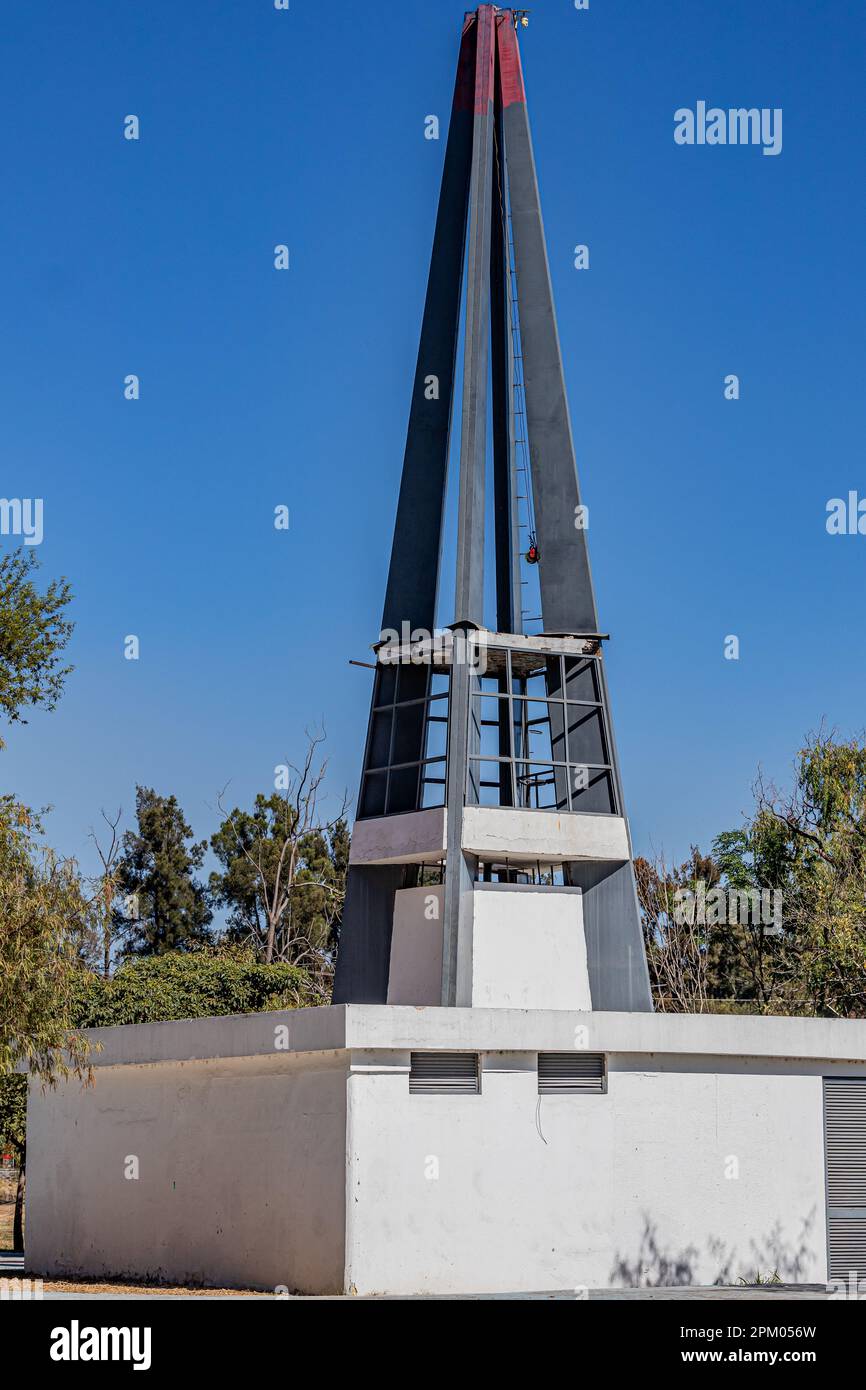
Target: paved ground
pixel 12 1267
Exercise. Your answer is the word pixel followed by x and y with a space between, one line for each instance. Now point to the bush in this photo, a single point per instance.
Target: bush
pixel 195 984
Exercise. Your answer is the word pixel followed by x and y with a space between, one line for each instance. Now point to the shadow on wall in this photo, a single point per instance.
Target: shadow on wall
pixel 655 1267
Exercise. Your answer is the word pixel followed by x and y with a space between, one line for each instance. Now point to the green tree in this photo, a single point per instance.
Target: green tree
pixel 812 845
pixel 283 871
pixel 162 906
pixel 804 850
pixel 33 633
pixel 753 963
pixel 44 916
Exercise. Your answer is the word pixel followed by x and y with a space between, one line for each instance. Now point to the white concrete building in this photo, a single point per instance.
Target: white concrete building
pixel 352 1149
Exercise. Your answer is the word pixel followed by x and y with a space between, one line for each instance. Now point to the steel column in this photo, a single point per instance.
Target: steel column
pixel 469 589
pixel 469 592
pixel 509 616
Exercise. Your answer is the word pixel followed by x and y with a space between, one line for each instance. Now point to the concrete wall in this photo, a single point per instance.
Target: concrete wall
pixel 315 1169
pixel 507 1191
pixel 548 836
pixel 413 837
pixel 241 1173
pixel 528 948
pixel 416 946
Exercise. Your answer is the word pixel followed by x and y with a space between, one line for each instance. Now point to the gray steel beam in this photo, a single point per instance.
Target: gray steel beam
pixel 460 868
pixel 509 607
pixel 509 617
pixel 615 954
pixel 364 954
pixel 469 589
pixel 567 596
pixel 416 550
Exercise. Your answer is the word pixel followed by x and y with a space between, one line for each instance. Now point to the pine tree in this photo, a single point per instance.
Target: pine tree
pixel 161 906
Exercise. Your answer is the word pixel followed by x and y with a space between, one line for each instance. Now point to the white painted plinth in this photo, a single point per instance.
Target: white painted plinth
pixel 528 948
pixel 286 1150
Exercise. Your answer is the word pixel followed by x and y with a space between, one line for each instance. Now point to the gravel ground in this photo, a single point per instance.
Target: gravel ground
pixel 145 1290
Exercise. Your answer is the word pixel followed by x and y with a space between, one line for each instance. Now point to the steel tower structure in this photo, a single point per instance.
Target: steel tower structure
pixel 490 756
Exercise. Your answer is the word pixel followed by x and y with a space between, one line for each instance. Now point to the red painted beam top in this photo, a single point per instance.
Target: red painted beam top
pixel 464 89
pixel 476 65
pixel 510 70
pixel 485 58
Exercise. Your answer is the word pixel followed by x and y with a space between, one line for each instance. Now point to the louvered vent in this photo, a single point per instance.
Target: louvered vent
pixel 845 1148
pixel 570 1073
pixel 444 1074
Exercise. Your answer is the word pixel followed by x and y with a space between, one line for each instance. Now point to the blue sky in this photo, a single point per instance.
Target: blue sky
pixel 259 387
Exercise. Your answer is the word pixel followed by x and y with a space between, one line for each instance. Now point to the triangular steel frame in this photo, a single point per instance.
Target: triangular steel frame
pixel 489 178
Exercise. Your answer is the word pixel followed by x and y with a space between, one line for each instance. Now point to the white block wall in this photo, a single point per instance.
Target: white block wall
pixel 509 1192
pixel 528 949
pixel 241 1174
pixel 314 1168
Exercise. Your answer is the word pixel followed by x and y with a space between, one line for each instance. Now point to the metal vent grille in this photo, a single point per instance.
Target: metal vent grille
pixel 570 1073
pixel 845 1149
pixel 847 1241
pixel 444 1074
